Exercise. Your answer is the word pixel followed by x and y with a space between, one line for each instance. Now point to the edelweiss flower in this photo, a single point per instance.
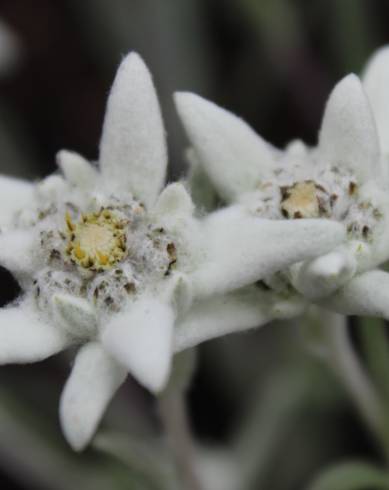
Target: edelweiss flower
pixel 109 261
pixel 344 179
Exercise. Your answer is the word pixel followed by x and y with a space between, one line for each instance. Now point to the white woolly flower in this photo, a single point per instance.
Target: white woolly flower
pixel 109 260
pixel 343 179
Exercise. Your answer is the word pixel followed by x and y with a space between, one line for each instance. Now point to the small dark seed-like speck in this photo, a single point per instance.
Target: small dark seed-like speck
pixel 365 231
pixel 352 187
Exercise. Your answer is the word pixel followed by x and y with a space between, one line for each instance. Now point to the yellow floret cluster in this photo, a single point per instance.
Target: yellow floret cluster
pixel 98 241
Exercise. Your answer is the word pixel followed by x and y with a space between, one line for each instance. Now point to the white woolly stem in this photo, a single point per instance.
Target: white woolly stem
pixel 344 361
pixel 174 418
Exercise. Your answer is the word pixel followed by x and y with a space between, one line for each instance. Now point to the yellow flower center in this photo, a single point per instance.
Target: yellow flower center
pixel 300 200
pixel 98 241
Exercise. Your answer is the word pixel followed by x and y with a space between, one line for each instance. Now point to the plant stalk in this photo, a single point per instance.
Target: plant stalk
pixel 346 364
pixel 172 409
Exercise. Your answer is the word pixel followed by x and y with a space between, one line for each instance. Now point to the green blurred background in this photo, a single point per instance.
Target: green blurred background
pixel 259 397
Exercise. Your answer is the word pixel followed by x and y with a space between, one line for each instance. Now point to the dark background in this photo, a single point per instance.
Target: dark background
pixel 272 62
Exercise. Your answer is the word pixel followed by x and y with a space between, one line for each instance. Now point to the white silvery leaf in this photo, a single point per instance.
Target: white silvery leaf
pixel 348 136
pixel 15 195
pixel 297 149
pixel 366 294
pixel 16 251
pixel 94 379
pixel 76 169
pixel 140 338
pixel 242 248
pixel 376 82
pixel 321 276
pixel 174 205
pixel 233 155
pixel 52 187
pixel 76 315
pixel 25 337
pixel 133 151
pixel 220 315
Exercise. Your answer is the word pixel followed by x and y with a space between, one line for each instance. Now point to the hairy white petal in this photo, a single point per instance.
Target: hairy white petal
pixel 376 84
pixel 366 294
pixel 141 339
pixel 220 315
pixel 17 251
pixel 76 315
pixel 15 194
pixel 25 337
pixel 233 155
pixel 242 248
pixel 76 169
pixel 348 136
pixel 52 188
pixel 174 205
pixel 297 149
pixel 94 379
pixel 133 151
pixel 322 276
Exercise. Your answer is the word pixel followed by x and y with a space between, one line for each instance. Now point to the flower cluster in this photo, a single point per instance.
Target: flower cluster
pixel 132 271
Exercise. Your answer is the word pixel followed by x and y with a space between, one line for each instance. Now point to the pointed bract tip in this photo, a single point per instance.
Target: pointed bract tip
pixel 379 58
pixel 133 61
pixel 182 97
pixel 350 80
pixel 158 382
pixel 187 101
pixel 349 87
pixel 175 200
pixel 140 339
pixel 75 442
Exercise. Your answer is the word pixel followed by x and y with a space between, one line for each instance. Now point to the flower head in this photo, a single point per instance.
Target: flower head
pixel 344 179
pixel 91 250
